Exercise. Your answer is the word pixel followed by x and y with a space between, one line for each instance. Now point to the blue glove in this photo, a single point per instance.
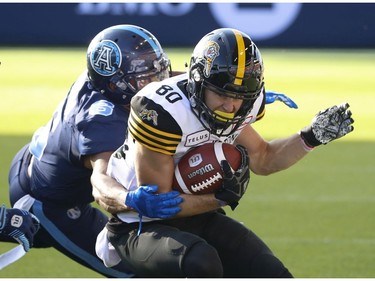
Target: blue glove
pixel 147 203
pixel 273 96
pixel 20 225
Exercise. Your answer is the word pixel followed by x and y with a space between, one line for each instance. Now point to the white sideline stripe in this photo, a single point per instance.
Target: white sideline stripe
pixel 11 256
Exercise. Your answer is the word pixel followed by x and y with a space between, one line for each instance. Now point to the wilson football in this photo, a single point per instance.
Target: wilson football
pixel 199 170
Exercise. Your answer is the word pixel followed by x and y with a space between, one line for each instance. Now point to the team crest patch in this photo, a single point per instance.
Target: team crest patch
pixel 73 213
pixel 105 58
pixel 210 53
pixel 149 115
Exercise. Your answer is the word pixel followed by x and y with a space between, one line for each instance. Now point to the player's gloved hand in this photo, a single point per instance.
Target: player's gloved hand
pixel 19 224
pixel 272 96
pixel 147 203
pixel 234 183
pixel 328 125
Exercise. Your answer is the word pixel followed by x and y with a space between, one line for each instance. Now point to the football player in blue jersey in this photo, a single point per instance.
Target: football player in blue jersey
pixel 52 176
pixel 219 98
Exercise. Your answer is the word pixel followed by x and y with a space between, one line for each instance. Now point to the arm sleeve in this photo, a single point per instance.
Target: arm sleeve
pixel 101 137
pixel 101 133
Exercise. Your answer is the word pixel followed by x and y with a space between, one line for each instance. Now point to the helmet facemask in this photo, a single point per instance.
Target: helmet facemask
pixel 142 73
pixel 217 122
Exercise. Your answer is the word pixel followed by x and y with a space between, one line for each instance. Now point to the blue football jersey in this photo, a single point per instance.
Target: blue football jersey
pixel 85 123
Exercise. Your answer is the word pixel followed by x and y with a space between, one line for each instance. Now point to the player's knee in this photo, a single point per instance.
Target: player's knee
pixel 269 266
pixel 202 260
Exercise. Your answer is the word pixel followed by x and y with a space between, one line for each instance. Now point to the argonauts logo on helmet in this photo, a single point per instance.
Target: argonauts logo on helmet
pixel 106 58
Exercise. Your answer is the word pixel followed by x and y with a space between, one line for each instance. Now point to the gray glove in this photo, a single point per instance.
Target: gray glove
pixel 328 125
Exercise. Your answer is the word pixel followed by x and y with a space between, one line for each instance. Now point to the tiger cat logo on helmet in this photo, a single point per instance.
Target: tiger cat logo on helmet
pixel 106 58
pixel 210 53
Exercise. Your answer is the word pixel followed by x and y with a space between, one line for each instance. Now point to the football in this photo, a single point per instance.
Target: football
pixel 199 170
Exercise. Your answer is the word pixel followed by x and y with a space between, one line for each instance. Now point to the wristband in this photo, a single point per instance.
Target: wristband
pixel 305 146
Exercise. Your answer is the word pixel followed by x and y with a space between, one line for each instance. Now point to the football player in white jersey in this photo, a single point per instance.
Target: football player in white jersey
pixel 216 101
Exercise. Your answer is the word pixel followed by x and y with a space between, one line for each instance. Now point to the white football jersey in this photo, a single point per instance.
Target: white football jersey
pixel 161 118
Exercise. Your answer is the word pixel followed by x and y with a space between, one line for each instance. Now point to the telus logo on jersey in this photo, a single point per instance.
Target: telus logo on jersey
pixel 197 138
pixel 106 57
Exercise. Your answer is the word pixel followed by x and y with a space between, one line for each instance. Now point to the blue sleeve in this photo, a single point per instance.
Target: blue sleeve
pixel 102 127
pixel 100 137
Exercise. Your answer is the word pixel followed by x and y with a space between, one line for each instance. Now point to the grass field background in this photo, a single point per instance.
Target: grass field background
pixel 318 217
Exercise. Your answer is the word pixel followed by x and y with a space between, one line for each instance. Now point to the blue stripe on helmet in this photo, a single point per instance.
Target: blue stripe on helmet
pixel 143 35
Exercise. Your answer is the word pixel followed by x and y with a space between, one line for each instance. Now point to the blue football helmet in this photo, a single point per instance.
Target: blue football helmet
pixel 122 59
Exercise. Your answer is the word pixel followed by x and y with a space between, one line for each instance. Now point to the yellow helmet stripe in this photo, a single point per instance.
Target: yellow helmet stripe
pixel 241 57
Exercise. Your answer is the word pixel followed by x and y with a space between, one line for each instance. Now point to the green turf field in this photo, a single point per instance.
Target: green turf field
pixel 318 216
